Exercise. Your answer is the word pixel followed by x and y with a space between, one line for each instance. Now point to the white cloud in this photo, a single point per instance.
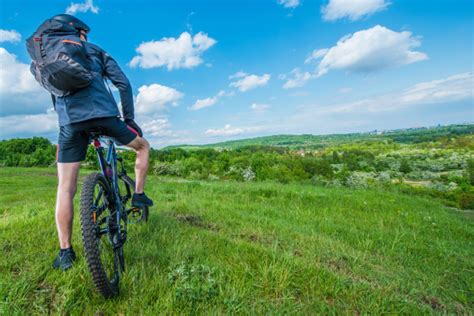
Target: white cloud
pixel 238 74
pixel 445 101
pixel 296 79
pixel 226 131
pixel 454 88
pixel 19 92
pixel 88 5
pixel 28 125
pixel 249 82
pixel 352 9
pixel 155 97
pixel 371 50
pixel 289 3
pixel 9 36
pixel 316 54
pixel 204 103
pixel 173 53
pixel 157 127
pixel 259 107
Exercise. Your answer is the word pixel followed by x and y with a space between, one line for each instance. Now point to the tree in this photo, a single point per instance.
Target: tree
pixel 335 157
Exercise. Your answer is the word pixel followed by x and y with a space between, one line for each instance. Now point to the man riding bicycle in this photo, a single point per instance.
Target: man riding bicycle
pixel 86 109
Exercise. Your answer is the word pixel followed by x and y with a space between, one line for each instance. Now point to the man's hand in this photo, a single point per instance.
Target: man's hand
pixel 135 126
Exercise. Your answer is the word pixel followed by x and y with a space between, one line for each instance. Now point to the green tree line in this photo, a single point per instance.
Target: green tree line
pixel 443 169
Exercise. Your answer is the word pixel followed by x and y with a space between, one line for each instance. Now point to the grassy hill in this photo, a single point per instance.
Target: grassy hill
pixel 243 247
pixel 414 135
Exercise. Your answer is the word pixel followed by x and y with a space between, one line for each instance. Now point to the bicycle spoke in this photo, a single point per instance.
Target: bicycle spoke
pixel 99 195
pixel 103 231
pixel 100 209
pixel 103 220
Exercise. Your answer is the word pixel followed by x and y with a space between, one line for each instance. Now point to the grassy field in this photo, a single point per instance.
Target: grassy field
pixel 231 247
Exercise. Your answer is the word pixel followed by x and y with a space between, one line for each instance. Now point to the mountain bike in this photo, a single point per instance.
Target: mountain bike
pixel 105 213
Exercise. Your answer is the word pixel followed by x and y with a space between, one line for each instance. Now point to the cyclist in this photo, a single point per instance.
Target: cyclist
pixel 78 113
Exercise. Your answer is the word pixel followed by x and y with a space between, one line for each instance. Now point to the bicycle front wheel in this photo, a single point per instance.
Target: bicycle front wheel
pixel 100 234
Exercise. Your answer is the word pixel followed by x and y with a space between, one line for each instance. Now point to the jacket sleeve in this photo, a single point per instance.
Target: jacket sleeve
pixel 113 72
pixel 53 99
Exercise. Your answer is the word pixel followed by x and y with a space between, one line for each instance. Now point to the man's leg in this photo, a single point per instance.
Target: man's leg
pixel 67 175
pixel 142 148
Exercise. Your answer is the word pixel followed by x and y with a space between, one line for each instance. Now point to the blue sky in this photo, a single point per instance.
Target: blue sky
pixel 207 71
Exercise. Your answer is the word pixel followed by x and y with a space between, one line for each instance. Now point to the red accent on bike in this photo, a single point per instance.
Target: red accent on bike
pixel 134 131
pixel 37 39
pixel 96 143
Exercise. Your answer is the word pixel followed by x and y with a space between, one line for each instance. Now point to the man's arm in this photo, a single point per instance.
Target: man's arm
pixel 118 78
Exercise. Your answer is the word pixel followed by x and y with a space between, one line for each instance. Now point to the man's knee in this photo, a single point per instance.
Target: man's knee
pixel 67 187
pixel 146 145
pixel 67 175
pixel 139 144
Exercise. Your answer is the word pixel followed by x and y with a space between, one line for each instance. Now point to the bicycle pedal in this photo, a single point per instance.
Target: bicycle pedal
pixel 136 212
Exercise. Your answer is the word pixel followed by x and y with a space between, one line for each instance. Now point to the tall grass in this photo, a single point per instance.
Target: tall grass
pixel 228 247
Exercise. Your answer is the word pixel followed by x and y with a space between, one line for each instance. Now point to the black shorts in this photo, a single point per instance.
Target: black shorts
pixel 74 138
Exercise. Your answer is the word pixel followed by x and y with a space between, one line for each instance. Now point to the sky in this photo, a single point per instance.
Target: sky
pixel 207 71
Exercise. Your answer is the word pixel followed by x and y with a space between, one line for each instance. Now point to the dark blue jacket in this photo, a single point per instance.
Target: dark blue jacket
pixel 95 100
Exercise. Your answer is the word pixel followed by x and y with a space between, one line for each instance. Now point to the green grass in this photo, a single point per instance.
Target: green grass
pixel 227 247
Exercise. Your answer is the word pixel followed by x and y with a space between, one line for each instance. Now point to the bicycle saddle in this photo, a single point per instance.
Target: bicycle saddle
pixel 95 132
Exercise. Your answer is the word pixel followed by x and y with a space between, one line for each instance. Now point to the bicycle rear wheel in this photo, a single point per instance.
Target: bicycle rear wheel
pixel 100 233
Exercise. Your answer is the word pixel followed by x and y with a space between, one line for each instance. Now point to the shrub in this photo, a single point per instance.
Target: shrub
pixel 193 283
pixel 359 179
pixel 248 174
pixel 384 177
pixel 470 171
pixel 466 200
pixel 405 167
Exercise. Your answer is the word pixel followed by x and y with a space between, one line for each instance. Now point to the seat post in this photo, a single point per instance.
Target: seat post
pixel 96 143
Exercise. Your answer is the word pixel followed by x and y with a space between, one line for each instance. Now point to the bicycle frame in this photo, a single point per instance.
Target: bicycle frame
pixel 108 166
pixel 115 189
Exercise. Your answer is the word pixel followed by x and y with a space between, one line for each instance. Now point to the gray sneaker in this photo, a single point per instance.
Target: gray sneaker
pixel 141 200
pixel 64 259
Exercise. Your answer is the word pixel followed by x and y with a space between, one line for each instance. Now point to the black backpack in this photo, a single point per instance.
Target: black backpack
pixel 60 62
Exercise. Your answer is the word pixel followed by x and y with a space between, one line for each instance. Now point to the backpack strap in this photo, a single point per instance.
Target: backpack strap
pixel 37 48
pixel 104 78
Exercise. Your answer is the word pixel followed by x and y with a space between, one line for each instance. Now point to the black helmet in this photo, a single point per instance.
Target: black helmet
pixel 73 21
